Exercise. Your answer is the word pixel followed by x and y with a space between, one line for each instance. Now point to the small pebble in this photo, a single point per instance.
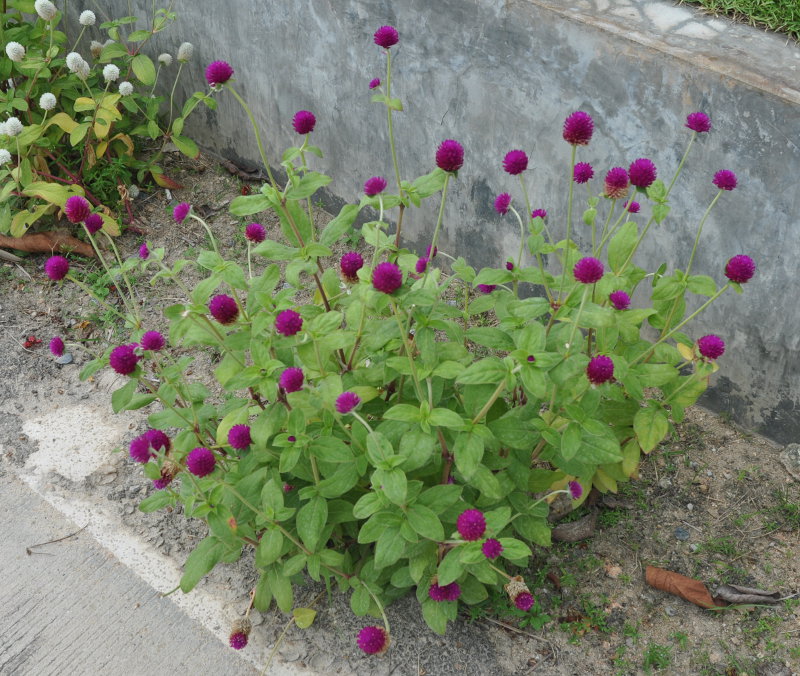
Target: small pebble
pixel 681 533
pixel 65 358
pixel 669 610
pixel 694 547
pixel 690 506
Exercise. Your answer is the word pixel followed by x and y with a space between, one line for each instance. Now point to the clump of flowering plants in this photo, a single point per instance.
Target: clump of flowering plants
pixel 374 436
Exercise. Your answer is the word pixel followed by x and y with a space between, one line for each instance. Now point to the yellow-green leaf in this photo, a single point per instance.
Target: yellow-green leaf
pixel 54 193
pixel 304 617
pixel 25 219
pixel 144 69
pixel 62 120
pixel 186 146
pixel 83 104
pixel 78 133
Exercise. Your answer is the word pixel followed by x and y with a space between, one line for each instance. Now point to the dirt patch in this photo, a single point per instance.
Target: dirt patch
pixel 712 502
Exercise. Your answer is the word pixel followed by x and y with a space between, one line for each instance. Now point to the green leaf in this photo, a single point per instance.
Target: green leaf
pixel 514 549
pixel 468 452
pixel 434 614
pixel 571 441
pixel 622 244
pixel 702 284
pixel 122 396
pixel 668 288
pixel 155 501
pixel 493 276
pixel 444 417
pixel 304 617
pixel 360 601
pixel 311 519
pixel 269 548
pixel 425 522
pixel 113 51
pixel 403 412
pixel 389 548
pixel 339 225
pixel 599 450
pixel 490 336
pixel 204 557
pixel 395 485
pixel 247 205
pixel 490 370
pixel 429 184
pixel 281 587
pixel 367 505
pixel 144 69
pixel 307 185
pixel 660 212
pixel 275 251
pixel 450 568
pixel 186 146
pixel 651 426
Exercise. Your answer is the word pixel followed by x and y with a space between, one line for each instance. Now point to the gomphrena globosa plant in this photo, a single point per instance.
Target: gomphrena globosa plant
pixel 376 436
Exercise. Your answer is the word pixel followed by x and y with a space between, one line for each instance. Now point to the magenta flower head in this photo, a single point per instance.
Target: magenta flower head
pixel 200 462
pixel 346 402
pixel 93 223
pixel 375 83
pixel 218 73
pixel 373 640
pixel 123 359
pixel 578 128
pixel 539 213
pixel 575 490
pixel 255 232
pixel 239 437
pixel 387 277
pixel 725 180
pixel 502 202
pixel 386 36
pixel 181 211
pixel 582 172
pixel 350 264
pixel 450 155
pixel 740 269
pixel 288 323
pixel 698 122
pixel 515 162
pixel 711 346
pixel 77 209
pixel 57 346
pixel 471 524
pixel 642 172
pixel 421 265
pixel 374 186
pixel 428 252
pixel 449 592
pixel 153 341
pixel 600 370
pixel 56 268
pixel 237 640
pixel 524 601
pixel 486 288
pixel 509 266
pixel 144 252
pixel 620 300
pixel 304 121
pixel 632 207
pixel 140 449
pixel 492 548
pixel 157 439
pixel 291 379
pixel 588 270
pixel 224 309
pixel 616 183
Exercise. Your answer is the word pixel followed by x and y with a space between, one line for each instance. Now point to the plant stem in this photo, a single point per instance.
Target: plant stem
pixel 569 221
pixel 699 230
pixel 409 355
pixel 208 230
pixel 577 318
pixel 439 219
pixel 261 150
pixel 680 165
pixel 493 398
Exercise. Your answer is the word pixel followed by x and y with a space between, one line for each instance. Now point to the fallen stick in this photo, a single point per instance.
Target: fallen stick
pixel 47 242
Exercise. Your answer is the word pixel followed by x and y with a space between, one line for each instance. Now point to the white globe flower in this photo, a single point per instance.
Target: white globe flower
pixel 45 9
pixel 165 59
pixel 87 18
pixel 185 51
pixel 15 51
pixel 110 73
pixel 5 156
pixel 73 61
pixel 95 48
pixel 47 101
pixel 125 88
pixel 13 126
pixel 2 129
pixel 82 71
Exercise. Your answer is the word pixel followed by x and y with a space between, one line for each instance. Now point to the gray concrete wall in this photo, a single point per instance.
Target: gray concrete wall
pixel 503 74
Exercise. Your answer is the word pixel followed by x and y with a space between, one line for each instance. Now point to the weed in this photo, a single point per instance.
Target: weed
pixel 786 510
pixel 722 545
pixel 681 639
pixel 631 631
pixel 656 657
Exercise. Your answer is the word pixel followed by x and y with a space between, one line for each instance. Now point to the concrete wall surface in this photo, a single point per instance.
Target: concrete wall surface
pixel 503 74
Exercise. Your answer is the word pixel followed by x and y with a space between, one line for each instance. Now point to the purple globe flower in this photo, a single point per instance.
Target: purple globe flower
pixel 486 288
pixel 181 211
pixel 421 265
pixel 509 266
pixel 740 269
pixel 161 484
pixel 698 122
pixel 255 232
pixel 304 121
pixel 144 252
pixel 620 300
pixel 578 128
pixel 77 209
pixel 140 449
pixel 93 223
pixel 616 183
pixel 218 73
pixel 373 640
pixel 531 358
pixel 582 172
pixel 642 172
pixel 524 601
pixel 291 379
pixel 346 402
pixel 200 462
pixel 449 592
pixel 123 359
pixel 539 213
pixel 711 346
pixel 288 323
pixel 375 83
pixel 588 270
pixel 450 155
pixel 725 180
pixel 600 369
pixel 502 202
pixel 56 268
pixel 238 640
pixel 471 524
pixel 350 264
pixel 157 439
pixel 152 340
pixel 632 207
pixel 239 437
pixel 515 162
pixel 57 346
pixel 374 186
pixel 575 490
pixel 386 36
pixel 492 548
pixel 224 309
pixel 291 438
pixel 387 277
pixel 428 252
